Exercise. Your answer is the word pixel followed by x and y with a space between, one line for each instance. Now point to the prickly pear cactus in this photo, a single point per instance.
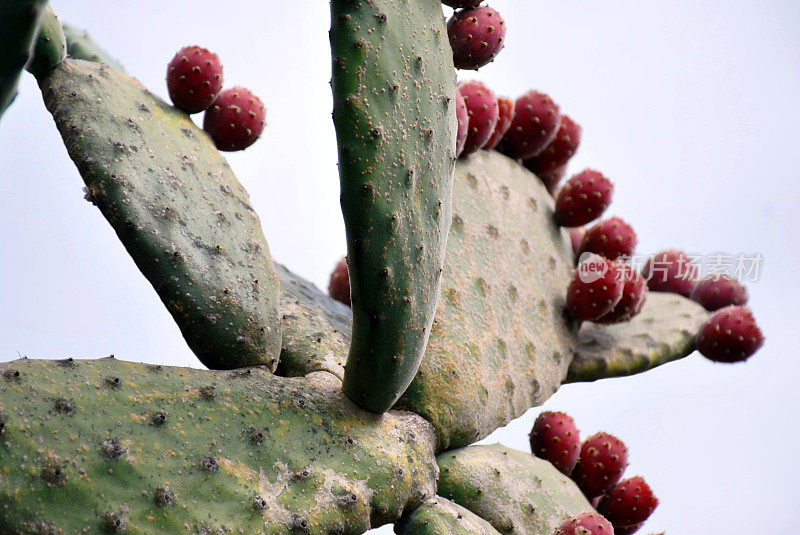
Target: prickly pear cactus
pixel 176 206
pixel 664 331
pixel 19 24
pixel 514 491
pixel 394 113
pixel 89 445
pixel 438 516
pixel 50 47
pixel 80 45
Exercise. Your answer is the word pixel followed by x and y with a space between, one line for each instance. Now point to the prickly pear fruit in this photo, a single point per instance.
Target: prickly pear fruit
pixel 483 112
pixel 505 116
pixel 476 35
pixel 612 238
pixel 460 4
pixel 560 150
pixel 194 78
pixel 536 121
pixel 719 291
pixel 585 524
pixel 235 120
pixel 729 335
pixel 595 289
pixel 556 439
pixel 671 271
pixel 602 461
pixel 463 123
pixel 583 198
pixel 629 530
pixel 339 285
pixel 576 237
pixel 634 296
pixel 630 502
pixel 552 179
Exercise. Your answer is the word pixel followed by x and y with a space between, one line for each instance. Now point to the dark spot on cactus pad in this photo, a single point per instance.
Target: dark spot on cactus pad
pixel 207 393
pixel 112 382
pixel 259 503
pixel 113 449
pixel 3 420
pixel 64 406
pixel 209 464
pixel 159 418
pixel 256 435
pixel 115 521
pixel 11 375
pixel 163 496
pixel 300 525
pixel 53 472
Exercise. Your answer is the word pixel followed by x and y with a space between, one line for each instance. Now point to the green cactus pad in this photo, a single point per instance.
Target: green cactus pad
pixel 664 331
pixel 316 328
pixel 80 45
pixel 438 516
pixel 176 206
pixel 50 47
pixel 501 342
pixel 19 24
pixel 88 444
pixel 394 113
pixel 514 491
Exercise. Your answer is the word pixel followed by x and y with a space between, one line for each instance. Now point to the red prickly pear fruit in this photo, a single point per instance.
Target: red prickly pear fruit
pixel 460 4
pixel 671 271
pixel 594 290
pixel 194 79
pixel 536 121
pixel 551 179
pixel 555 438
pixel 235 120
pixel 602 461
pixel 576 237
pixel 583 198
pixel 628 530
pixel 504 118
pixel 634 296
pixel 729 335
pixel 630 502
pixel 585 524
pixel 560 150
pixel 719 291
pixel 612 238
pixel 476 35
pixel 339 285
pixel 463 123
pixel 483 112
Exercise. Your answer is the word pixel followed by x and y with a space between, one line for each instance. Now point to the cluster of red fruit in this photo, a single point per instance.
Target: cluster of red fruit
pixel 234 117
pixel 597 467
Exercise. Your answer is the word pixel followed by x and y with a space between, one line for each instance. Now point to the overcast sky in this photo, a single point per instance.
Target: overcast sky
pixel 690 107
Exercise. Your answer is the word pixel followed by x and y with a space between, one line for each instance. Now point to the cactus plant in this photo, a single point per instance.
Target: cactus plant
pixel 314 417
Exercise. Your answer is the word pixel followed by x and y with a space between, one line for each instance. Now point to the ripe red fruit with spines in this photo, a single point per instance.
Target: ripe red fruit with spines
pixel 556 439
pixel 629 530
pixel 551 179
pixel 630 502
pixel 634 296
pixel 194 78
pixel 719 291
pixel 536 121
pixel 585 524
pixel 505 117
pixel 594 290
pixel 729 335
pixel 576 237
pixel 560 150
pixel 235 120
pixel 339 284
pixel 483 112
pixel 460 4
pixel 601 462
pixel 463 123
pixel 583 198
pixel 671 271
pixel 612 238
pixel 476 35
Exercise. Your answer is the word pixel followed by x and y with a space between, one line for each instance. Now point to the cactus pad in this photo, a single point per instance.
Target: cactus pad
pixel 394 113
pixel 438 516
pixel 80 45
pixel 89 445
pixel 664 331
pixel 50 47
pixel 176 206
pixel 19 24
pixel 501 342
pixel 514 491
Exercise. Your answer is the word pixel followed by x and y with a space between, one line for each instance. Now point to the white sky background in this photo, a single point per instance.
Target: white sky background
pixel 690 107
